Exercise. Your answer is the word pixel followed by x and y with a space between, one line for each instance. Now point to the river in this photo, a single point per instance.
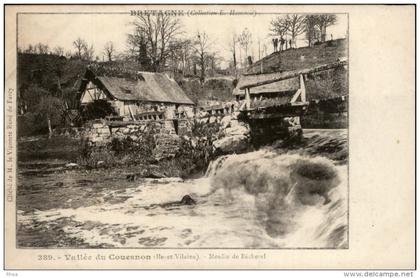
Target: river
pixel 262 199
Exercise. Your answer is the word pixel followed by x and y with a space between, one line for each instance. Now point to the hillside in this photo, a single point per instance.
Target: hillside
pixel 50 72
pixel 213 89
pixel 300 58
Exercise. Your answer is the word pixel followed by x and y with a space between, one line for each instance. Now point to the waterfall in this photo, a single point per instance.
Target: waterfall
pixel 298 199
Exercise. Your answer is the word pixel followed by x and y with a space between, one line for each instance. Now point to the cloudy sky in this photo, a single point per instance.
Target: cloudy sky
pixel 63 29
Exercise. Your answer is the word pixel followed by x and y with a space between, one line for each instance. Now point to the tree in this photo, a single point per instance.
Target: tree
pixel 88 52
pixel 311 28
pixel 109 50
pixel 59 51
pixel 186 53
pixel 50 109
pixel 279 26
pixel 295 26
pixel 213 62
pixel 80 46
pixel 245 40
pixel 232 47
pixel 156 31
pixel 41 48
pixel 179 59
pixel 201 46
pixel 323 21
pixel 30 49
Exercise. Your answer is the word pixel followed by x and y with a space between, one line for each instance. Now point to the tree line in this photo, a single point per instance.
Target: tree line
pixel 157 43
pixel 313 26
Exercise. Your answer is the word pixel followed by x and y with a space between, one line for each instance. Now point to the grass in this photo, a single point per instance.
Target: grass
pixel 291 59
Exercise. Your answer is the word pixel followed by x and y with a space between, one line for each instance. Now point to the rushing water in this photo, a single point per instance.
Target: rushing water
pixel 261 199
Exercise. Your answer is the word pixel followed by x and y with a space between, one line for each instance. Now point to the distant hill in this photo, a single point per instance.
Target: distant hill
pixel 300 58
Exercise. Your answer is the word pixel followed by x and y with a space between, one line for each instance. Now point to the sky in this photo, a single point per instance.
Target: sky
pixel 62 29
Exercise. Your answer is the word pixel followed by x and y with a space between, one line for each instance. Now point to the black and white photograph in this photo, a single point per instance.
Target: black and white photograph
pixel 209 136
pixel 157 131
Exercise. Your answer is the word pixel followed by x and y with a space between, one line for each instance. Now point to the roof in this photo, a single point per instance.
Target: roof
pixel 249 81
pixel 291 84
pixel 144 86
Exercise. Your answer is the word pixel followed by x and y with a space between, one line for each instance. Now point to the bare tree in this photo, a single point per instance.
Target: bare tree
pixel 41 48
pixel 214 60
pixel 201 46
pixel 233 49
pixel 324 21
pixel 295 26
pixel 157 31
pixel 181 54
pixel 311 29
pixel 80 45
pixel 88 52
pixel 109 50
pixel 279 26
pixel 245 40
pixel 59 51
pixel 30 49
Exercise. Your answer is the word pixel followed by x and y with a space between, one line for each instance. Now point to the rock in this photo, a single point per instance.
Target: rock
pixel 153 174
pixel 94 138
pixel 71 165
pixel 225 122
pixel 97 125
pixel 131 177
pixel 59 184
pixel 212 119
pixel 236 130
pixel 104 130
pixel 202 120
pixel 193 142
pixel 235 115
pixel 187 200
pixel 231 144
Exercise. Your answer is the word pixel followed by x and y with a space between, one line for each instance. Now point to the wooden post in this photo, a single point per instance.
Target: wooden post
pixel 302 89
pixel 131 113
pixel 247 98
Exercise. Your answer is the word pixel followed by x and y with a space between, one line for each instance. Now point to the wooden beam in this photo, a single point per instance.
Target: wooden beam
pixel 247 98
pixel 296 95
pixel 302 89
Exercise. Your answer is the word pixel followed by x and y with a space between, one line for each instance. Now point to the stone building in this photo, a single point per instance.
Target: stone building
pixel 136 95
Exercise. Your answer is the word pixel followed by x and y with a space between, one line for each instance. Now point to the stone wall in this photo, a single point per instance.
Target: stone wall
pixel 166 140
pixel 102 132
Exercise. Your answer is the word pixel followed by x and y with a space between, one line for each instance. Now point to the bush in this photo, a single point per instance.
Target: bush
pixel 201 129
pixel 98 109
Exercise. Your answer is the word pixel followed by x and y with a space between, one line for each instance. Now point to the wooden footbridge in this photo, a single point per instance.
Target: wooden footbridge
pixel 273 103
pixel 279 94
